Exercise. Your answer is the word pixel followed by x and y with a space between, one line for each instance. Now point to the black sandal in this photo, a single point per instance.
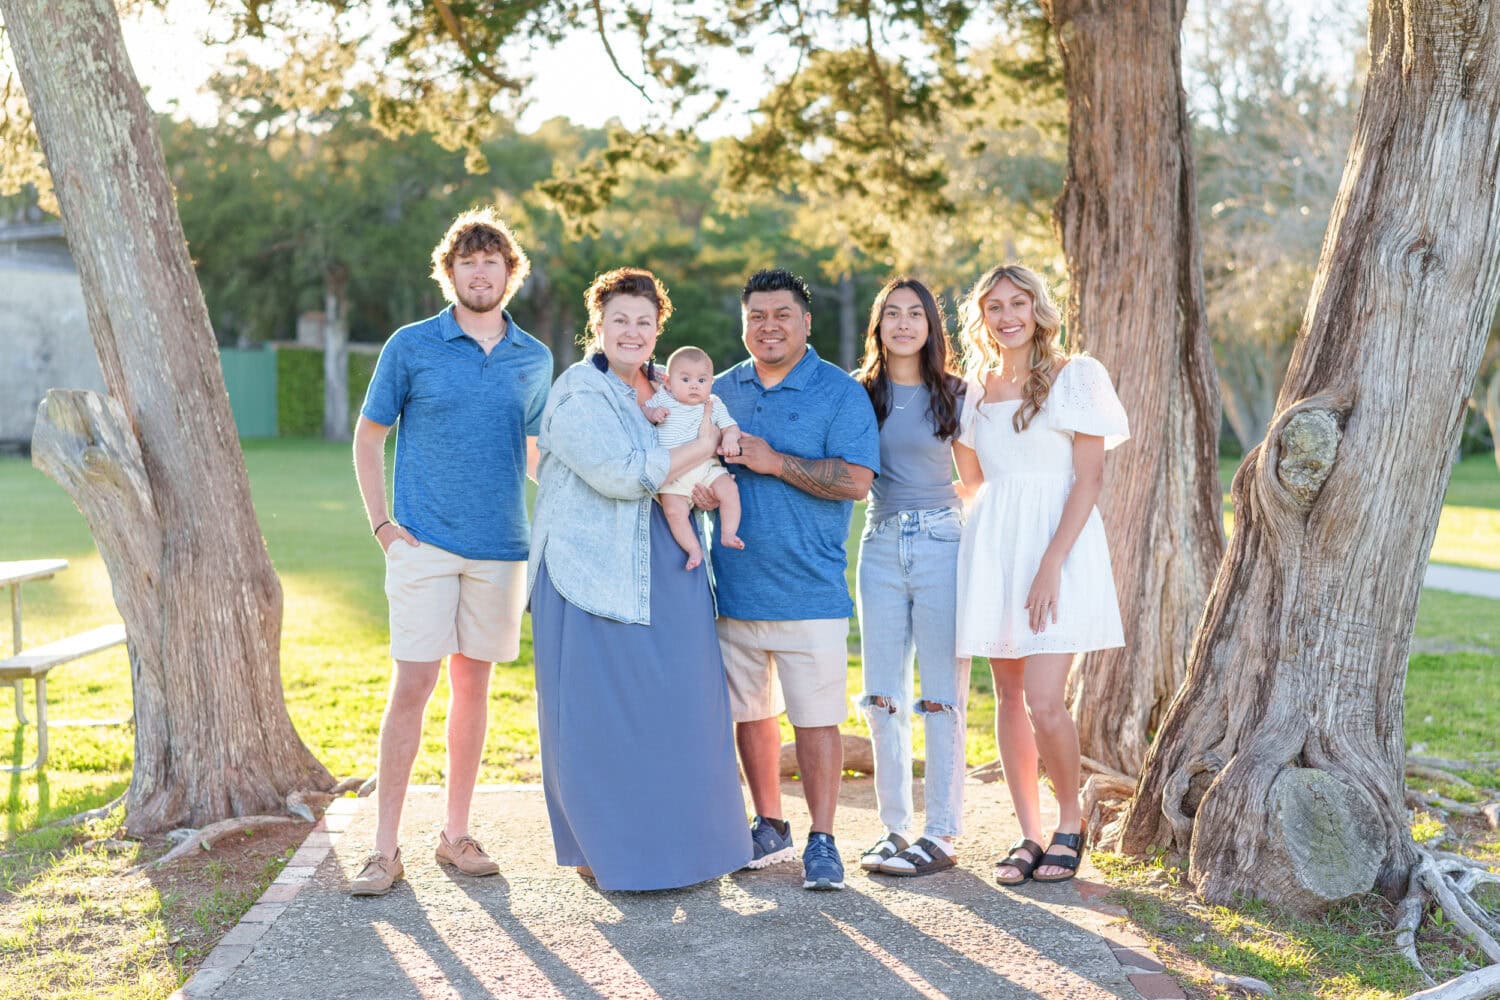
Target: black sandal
pixel 922 858
pixel 1020 862
pixel 1068 861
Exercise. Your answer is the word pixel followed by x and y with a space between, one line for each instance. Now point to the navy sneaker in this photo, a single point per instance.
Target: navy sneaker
pixel 822 868
pixel 770 846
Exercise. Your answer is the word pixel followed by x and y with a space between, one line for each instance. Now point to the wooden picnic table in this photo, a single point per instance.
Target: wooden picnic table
pixel 34 664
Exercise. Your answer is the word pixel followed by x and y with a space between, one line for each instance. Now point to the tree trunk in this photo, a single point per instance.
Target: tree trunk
pixel 1129 226
pixel 848 323
pixel 336 353
pixel 156 468
pixel 1300 665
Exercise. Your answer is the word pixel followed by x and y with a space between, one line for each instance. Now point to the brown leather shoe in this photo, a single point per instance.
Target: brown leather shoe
pixel 465 854
pixel 378 875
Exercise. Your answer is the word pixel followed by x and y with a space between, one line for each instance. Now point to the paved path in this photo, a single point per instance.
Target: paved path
pixel 537 930
pixel 1463 580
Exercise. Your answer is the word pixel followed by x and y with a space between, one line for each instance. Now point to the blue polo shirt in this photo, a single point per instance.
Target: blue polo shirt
pixel 792 566
pixel 461 441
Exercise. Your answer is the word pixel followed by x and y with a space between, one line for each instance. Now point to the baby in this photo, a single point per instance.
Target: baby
pixel 677 411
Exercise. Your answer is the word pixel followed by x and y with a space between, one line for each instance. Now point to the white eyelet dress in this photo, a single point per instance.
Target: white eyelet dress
pixel 1027 478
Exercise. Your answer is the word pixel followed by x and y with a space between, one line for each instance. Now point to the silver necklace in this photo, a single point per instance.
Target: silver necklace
pixel 901 406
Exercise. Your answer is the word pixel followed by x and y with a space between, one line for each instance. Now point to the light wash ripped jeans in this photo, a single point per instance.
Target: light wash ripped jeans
pixel 907 597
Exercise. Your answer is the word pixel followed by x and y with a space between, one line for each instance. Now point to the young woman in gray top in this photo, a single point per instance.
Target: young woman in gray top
pixel 908 579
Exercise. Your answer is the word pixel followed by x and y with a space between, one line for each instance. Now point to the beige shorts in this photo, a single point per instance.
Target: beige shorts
pixel 810 658
pixel 442 603
pixel 699 475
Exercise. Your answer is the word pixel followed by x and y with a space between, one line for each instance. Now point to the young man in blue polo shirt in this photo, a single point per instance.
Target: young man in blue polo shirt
pixel 467 388
pixel 810 447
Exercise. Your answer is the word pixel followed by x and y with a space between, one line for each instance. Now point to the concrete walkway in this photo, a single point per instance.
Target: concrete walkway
pixel 537 930
pixel 1463 580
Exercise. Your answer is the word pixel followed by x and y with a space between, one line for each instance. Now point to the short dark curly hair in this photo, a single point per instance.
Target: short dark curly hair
pixel 622 281
pixel 778 279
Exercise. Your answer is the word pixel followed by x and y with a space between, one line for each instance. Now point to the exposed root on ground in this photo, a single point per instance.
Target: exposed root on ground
pixel 204 839
pixel 1448 880
pixel 346 786
pixel 88 815
pixel 1417 767
pixel 1100 768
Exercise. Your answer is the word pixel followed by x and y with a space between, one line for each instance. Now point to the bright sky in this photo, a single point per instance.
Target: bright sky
pixel 575 81
pixel 173 63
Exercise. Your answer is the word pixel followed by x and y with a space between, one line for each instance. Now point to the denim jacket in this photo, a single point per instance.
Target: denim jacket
pixel 600 468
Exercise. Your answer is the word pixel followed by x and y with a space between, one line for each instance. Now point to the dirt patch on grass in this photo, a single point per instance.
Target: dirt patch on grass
pixel 76 920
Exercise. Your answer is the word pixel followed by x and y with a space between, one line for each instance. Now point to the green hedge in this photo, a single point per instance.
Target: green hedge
pixel 299 389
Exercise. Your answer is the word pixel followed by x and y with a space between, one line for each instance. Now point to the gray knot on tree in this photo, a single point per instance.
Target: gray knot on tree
pixel 1309 444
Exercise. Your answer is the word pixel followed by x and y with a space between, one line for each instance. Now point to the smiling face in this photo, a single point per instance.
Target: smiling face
pixel 1008 314
pixel 627 331
pixel 776 328
pixel 690 380
pixel 903 324
pixel 479 280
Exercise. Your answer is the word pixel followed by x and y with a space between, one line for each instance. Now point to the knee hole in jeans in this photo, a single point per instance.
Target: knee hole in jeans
pixel 873 703
pixel 933 707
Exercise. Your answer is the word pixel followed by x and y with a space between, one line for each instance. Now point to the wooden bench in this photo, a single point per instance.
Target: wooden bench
pixel 34 664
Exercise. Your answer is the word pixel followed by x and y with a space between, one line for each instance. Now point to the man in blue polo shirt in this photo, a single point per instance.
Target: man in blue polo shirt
pixel 467 387
pixel 810 447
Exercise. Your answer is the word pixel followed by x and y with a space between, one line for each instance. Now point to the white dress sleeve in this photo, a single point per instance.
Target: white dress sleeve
pixel 968 416
pixel 1083 401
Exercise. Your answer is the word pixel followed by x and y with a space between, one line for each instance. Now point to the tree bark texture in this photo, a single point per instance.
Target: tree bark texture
pixel 1300 664
pixel 1129 227
pixel 336 353
pixel 156 468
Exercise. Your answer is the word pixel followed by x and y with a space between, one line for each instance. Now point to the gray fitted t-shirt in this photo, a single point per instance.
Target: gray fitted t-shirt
pixel 916 469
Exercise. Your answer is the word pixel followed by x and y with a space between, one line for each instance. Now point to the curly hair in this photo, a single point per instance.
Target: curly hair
pixel 939 373
pixel 622 281
pixel 479 230
pixel 982 354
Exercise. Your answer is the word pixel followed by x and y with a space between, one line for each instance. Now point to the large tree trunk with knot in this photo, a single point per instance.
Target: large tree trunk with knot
pixel 156 468
pixel 1279 768
pixel 1129 225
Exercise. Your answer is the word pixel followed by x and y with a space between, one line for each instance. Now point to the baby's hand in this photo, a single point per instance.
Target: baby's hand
pixel 729 444
pixel 655 414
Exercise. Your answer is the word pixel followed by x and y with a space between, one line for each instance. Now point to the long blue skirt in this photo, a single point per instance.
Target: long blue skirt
pixel 638 760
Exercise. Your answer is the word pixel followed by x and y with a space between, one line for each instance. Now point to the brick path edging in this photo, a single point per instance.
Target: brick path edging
pixel 237 945
pixel 1139 963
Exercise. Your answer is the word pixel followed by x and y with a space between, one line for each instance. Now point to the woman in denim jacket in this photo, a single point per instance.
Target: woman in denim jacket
pixel 638 761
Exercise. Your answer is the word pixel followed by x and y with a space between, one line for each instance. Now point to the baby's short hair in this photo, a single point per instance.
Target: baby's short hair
pixel 690 354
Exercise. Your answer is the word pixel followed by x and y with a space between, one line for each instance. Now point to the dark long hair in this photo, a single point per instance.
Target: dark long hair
pixel 939 370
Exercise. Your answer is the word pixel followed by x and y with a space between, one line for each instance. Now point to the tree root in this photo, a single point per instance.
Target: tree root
pixel 1480 984
pixel 346 786
pixel 88 815
pixel 1101 768
pixel 1417 769
pixel 1442 804
pixel 204 838
pixel 1449 880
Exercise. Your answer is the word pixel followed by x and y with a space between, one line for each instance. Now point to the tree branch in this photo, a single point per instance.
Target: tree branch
pixel 609 51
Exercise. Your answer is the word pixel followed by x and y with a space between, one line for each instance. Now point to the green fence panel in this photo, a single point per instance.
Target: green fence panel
pixel 250 377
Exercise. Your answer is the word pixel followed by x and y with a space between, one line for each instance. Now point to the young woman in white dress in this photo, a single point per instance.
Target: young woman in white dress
pixel 1034 579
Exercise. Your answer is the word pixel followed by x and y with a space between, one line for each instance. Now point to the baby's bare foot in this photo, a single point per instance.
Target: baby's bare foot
pixel 694 560
pixel 731 542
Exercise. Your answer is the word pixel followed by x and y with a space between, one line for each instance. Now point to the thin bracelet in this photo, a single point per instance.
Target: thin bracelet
pixel 382 524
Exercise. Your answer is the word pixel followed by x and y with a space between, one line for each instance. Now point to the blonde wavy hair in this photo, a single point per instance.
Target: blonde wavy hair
pixel 982 354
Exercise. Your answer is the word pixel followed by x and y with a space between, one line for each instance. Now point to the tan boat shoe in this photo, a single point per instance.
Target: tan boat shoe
pixel 378 875
pixel 465 854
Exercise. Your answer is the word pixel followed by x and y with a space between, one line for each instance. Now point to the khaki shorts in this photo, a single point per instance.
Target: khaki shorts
pixel 810 658
pixel 442 603
pixel 701 474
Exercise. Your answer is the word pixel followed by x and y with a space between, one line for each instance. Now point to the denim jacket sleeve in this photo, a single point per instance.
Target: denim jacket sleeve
pixel 585 434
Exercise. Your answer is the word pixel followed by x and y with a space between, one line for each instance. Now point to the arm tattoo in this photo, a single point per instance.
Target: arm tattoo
pixel 828 478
